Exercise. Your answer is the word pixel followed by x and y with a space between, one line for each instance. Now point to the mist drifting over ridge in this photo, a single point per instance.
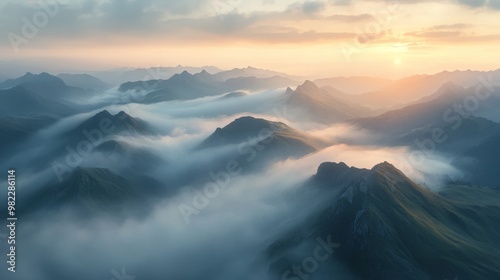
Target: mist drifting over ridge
pixel 249 140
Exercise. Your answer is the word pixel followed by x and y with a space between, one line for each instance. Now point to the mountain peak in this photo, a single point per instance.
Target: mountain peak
pixel 389 174
pixel 250 122
pixel 123 115
pixel 447 90
pixel 184 75
pixel 203 74
pixel 241 129
pixel 289 91
pixel 121 122
pixel 328 170
pixel 308 87
pixel 35 79
pixel 382 175
pixel 384 166
pixel 308 83
pixel 103 113
pixel 387 224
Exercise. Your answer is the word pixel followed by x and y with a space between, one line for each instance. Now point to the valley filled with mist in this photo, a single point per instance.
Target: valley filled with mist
pixel 203 173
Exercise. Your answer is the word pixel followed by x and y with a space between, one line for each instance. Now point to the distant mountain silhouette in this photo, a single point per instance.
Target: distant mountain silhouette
pixel 410 89
pixel 40 95
pixel 185 86
pixel 252 72
pixel 179 87
pixel 413 116
pixel 388 227
pixel 119 123
pixel 417 122
pixel 120 76
pixel 84 81
pixel 311 103
pixel 154 73
pixel 485 101
pixel 29 80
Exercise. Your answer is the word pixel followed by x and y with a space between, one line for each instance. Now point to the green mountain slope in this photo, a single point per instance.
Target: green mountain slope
pixel 392 228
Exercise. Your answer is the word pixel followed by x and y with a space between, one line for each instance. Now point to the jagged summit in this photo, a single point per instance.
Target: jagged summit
pixel 392 228
pixel 328 170
pixel 307 85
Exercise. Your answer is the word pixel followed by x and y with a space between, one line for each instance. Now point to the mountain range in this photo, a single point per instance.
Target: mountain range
pixel 185 86
pixel 41 94
pixel 312 103
pixel 388 227
pixel 443 112
pixel 83 160
pixel 398 93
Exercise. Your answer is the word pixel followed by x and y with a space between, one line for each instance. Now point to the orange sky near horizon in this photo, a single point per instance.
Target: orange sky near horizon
pixel 319 38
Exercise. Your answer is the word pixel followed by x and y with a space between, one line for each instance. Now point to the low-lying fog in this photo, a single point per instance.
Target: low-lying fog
pixel 225 239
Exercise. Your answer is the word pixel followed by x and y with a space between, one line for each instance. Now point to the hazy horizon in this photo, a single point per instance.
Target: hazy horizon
pixel 37 70
pixel 320 38
pixel 256 140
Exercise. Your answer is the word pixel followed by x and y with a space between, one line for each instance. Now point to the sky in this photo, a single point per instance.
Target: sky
pixel 323 37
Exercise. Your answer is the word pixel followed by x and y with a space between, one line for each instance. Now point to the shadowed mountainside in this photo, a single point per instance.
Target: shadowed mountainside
pixel 311 103
pixel 389 227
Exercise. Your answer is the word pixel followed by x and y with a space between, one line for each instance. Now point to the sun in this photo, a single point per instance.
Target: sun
pixel 397 61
